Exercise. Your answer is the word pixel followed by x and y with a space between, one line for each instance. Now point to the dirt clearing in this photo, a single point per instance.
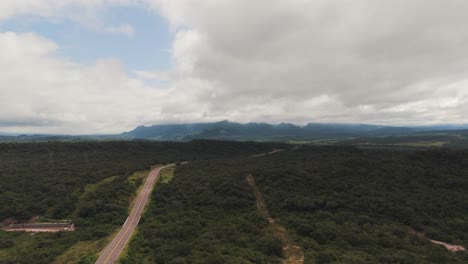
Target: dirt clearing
pixel 449 247
pixel 292 252
pixel 40 227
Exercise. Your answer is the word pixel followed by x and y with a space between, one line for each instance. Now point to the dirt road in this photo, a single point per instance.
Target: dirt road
pixel 112 251
pixel 449 247
pixel 293 253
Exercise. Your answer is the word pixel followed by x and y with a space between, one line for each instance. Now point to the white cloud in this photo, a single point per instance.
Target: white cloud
pixel 124 29
pixel 40 88
pixel 381 61
pixel 280 59
pixel 154 75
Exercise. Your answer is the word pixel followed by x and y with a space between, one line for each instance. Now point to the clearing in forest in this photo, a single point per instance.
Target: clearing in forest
pixel 293 253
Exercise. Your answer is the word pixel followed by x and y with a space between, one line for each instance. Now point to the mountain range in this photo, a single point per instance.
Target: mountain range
pixel 226 130
pixel 283 131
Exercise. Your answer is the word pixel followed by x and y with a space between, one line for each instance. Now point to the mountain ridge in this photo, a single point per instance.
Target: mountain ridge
pixel 265 131
pixel 252 131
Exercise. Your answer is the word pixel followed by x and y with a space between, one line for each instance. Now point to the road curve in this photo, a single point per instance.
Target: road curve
pixel 112 251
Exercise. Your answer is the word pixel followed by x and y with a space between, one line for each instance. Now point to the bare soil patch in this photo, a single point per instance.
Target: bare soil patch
pixel 449 247
pixel 40 227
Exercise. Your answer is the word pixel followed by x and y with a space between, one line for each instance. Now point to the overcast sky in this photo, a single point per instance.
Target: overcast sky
pixel 106 66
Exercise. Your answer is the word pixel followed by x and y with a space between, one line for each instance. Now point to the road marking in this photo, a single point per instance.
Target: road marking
pixel 122 237
pixel 127 227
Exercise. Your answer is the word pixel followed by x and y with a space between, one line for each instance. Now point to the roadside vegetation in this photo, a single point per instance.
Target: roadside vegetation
pixel 166 174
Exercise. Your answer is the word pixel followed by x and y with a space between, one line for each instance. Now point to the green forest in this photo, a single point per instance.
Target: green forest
pixel 339 204
pixel 90 183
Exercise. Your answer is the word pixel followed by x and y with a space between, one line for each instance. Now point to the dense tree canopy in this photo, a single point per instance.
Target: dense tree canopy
pixel 87 182
pixel 342 205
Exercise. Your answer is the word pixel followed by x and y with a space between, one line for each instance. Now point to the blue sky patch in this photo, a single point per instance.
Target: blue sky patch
pixel 146 49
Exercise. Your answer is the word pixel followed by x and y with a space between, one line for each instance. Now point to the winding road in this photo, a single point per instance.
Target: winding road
pixel 112 251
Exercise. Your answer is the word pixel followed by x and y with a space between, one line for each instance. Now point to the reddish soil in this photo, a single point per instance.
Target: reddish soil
pixel 453 248
pixel 38 229
pixel 450 247
pixel 292 252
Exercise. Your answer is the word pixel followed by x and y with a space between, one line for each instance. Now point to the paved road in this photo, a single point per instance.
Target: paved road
pixel 112 251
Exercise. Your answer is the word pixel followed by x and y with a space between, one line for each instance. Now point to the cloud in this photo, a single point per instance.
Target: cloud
pixel 44 92
pixel 154 75
pixel 124 29
pixel 38 84
pixel 320 60
pixel 382 61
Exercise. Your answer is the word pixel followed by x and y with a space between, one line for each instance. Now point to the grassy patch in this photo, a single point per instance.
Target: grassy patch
pixel 80 251
pixel 86 251
pixel 94 186
pixel 18 238
pixel 427 144
pixel 167 174
pixel 137 179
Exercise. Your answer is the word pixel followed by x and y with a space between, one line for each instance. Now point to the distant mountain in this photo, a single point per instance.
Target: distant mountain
pixel 225 130
pixel 263 131
pixel 442 127
pixel 169 132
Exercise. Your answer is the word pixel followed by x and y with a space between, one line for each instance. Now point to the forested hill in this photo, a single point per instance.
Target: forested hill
pixel 264 131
